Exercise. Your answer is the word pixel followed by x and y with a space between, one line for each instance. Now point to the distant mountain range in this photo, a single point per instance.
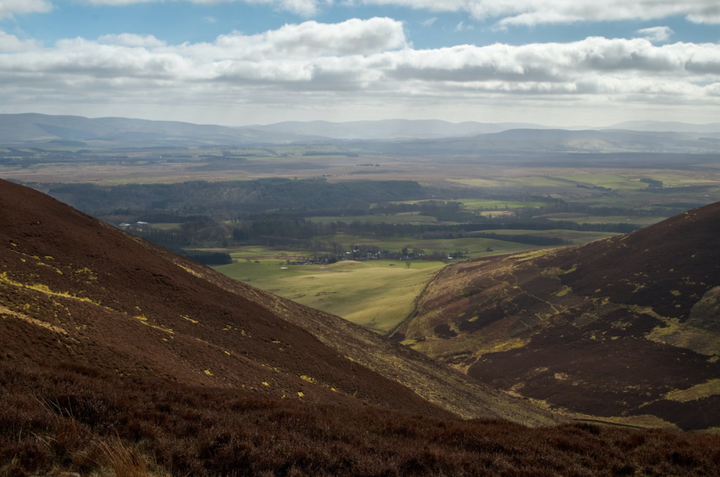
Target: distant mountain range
pixel 436 129
pixel 392 129
pixel 42 129
pixel 39 130
pixel 668 126
pixel 558 141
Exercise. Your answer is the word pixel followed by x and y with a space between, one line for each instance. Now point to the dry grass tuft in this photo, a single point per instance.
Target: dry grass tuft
pixel 123 460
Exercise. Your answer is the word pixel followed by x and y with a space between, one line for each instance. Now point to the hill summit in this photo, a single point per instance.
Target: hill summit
pixel 625 329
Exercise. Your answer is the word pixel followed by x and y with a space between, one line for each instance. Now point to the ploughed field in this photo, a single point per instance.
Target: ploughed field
pixel 624 329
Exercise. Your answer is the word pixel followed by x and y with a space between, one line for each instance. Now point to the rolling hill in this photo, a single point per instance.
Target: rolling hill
pixel 556 141
pixel 668 126
pixel 46 130
pixel 625 329
pixel 396 136
pixel 389 129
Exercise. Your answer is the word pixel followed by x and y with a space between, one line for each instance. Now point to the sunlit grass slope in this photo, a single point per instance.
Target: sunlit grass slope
pixel 377 294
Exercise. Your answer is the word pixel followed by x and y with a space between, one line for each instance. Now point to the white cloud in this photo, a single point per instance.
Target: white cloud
pixel 12 43
pixel 299 7
pixel 210 20
pixel 533 12
pixel 354 65
pixel 9 8
pixel 658 34
pixel 351 37
pixel 131 40
pixel 429 22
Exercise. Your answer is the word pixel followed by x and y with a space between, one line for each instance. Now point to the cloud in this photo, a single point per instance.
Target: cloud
pixel 429 22
pixel 131 40
pixel 13 43
pixel 299 7
pixel 351 37
pixel 658 34
pixel 10 8
pixel 351 66
pixel 534 12
pixel 210 19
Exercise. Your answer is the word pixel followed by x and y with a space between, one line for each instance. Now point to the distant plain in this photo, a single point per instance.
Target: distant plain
pixel 489 185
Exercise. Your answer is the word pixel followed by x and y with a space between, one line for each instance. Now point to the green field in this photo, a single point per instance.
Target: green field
pixel 165 226
pixel 614 219
pixel 481 204
pixel 472 204
pixel 614 182
pixel 376 294
pixel 473 245
pixel 477 182
pixel 378 219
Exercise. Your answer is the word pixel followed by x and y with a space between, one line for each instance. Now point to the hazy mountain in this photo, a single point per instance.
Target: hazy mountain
pixel 621 328
pixel 39 129
pixel 553 140
pixel 391 129
pixel 424 136
pixel 668 126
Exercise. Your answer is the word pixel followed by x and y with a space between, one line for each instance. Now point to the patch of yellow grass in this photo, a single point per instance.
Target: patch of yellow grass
pixel 700 391
pixel 189 270
pixel 185 317
pixel 44 289
pixel 8 312
pixel 143 319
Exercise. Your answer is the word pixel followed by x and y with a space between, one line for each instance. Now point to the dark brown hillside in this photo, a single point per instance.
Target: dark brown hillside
pixel 71 418
pixel 623 329
pixel 75 290
pixel 668 266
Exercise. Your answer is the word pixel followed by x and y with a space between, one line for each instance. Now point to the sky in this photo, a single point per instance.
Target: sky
pixel 240 62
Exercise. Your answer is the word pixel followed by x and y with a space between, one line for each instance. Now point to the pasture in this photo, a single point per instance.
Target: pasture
pixel 376 294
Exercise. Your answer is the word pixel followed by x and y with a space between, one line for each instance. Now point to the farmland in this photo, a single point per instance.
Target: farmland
pixel 327 204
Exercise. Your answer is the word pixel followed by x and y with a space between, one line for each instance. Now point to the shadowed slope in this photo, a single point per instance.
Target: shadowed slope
pixel 626 328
